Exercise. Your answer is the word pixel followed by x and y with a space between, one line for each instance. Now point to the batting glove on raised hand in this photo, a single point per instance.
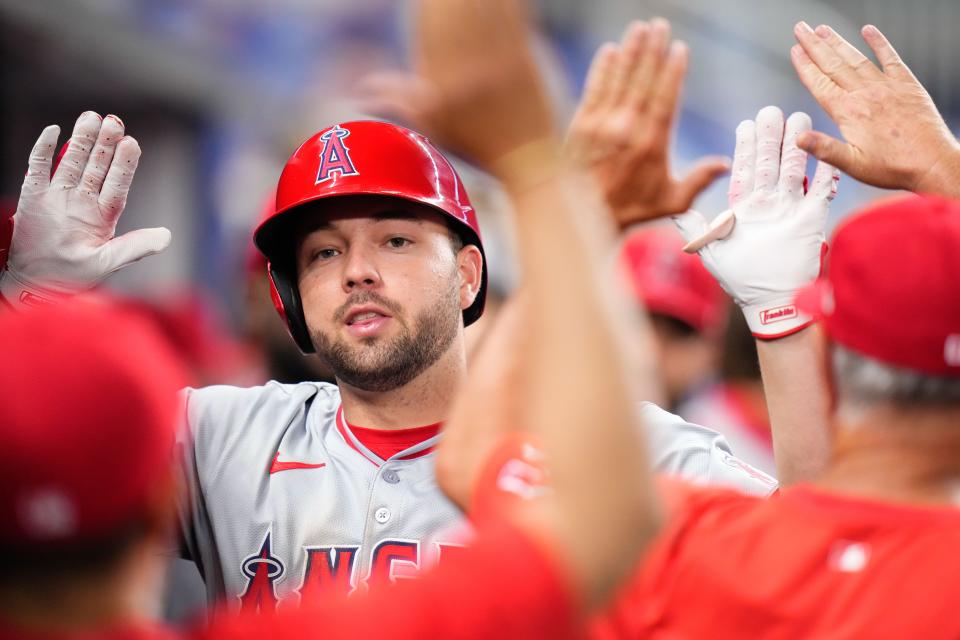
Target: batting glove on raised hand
pixel 63 233
pixel 770 242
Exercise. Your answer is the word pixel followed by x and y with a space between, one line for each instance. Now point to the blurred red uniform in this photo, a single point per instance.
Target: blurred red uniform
pixel 803 564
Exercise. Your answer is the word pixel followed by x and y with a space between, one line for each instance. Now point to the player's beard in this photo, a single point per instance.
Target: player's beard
pixel 384 364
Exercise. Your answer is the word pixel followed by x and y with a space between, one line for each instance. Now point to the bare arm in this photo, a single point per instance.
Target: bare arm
pixel 797 393
pixel 575 391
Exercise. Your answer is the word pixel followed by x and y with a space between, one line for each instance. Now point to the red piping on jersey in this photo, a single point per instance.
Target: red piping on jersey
pixel 342 428
pixel 382 438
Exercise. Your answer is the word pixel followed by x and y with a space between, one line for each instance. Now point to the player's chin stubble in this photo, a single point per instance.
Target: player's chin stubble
pixel 380 364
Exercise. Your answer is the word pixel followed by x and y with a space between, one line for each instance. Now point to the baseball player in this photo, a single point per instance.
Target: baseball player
pixel 377 265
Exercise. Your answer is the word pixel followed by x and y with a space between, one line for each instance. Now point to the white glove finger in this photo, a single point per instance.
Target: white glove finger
pixel 691 224
pixel 825 181
pixel 75 159
pixel 744 162
pixel 793 162
pixel 41 159
pixel 769 138
pixel 721 227
pixel 111 132
pixel 116 186
pixel 132 246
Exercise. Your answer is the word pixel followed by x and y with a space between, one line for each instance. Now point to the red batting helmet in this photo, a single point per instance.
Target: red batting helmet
pixel 360 158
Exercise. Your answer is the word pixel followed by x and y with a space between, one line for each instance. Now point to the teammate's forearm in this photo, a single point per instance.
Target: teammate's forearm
pixel 798 401
pixel 576 353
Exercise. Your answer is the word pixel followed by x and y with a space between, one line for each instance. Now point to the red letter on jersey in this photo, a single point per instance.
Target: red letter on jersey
pixel 390 555
pixel 328 568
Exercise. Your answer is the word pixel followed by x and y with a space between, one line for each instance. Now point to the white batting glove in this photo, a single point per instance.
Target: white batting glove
pixel 63 234
pixel 770 242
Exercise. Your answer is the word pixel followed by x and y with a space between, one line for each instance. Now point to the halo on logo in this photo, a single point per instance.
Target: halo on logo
pixel 335 160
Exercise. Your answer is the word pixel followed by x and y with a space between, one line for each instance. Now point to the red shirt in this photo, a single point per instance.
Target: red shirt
pixel 806 564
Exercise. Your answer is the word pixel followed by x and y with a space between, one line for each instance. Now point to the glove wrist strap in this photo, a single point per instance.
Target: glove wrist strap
pixel 18 295
pixel 777 319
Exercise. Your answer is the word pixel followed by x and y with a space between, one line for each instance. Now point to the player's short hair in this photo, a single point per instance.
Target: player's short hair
pixel 862 380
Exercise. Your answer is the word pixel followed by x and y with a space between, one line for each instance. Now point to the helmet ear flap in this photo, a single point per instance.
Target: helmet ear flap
pixel 286 299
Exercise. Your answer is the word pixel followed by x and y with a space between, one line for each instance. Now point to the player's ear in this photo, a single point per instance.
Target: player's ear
pixel 470 270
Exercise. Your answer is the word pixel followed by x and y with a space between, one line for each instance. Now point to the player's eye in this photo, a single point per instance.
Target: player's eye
pixel 398 242
pixel 324 254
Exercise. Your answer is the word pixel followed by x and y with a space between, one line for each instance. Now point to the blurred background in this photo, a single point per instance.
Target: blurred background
pixel 220 92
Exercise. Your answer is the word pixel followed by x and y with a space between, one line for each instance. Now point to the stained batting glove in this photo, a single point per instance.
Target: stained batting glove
pixel 770 242
pixel 63 231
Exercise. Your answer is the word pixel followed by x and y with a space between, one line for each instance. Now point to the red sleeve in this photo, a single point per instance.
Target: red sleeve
pixel 514 472
pixel 504 586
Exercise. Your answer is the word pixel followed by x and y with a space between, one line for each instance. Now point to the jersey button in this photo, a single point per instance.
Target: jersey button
pixel 382 515
pixel 391 476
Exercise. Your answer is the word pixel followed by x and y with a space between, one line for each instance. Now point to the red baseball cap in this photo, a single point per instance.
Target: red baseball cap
pixel 88 409
pixel 673 283
pixel 891 287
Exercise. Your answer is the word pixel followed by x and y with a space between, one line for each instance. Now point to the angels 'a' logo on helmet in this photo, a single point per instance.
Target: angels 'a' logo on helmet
pixel 335 158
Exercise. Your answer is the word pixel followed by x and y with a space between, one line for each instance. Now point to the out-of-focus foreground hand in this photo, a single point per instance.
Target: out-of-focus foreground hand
pixel 63 234
pixel 488 99
pixel 771 240
pixel 894 136
pixel 622 128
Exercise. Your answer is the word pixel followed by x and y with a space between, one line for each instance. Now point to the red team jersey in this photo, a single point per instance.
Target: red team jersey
pixel 804 564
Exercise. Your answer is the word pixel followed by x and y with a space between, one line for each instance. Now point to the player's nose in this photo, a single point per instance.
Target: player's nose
pixel 360 269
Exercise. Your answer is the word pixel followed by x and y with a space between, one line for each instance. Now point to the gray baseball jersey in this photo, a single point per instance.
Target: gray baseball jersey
pixel 282 500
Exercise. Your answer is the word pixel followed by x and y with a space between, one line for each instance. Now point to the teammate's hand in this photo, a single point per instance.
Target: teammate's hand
pixel 63 234
pixel 771 240
pixel 401 96
pixel 489 103
pixel 621 130
pixel 895 137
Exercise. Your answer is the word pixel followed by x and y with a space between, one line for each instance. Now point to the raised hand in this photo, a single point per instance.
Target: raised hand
pixel 623 125
pixel 63 236
pixel 770 242
pixel 894 135
pixel 485 93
